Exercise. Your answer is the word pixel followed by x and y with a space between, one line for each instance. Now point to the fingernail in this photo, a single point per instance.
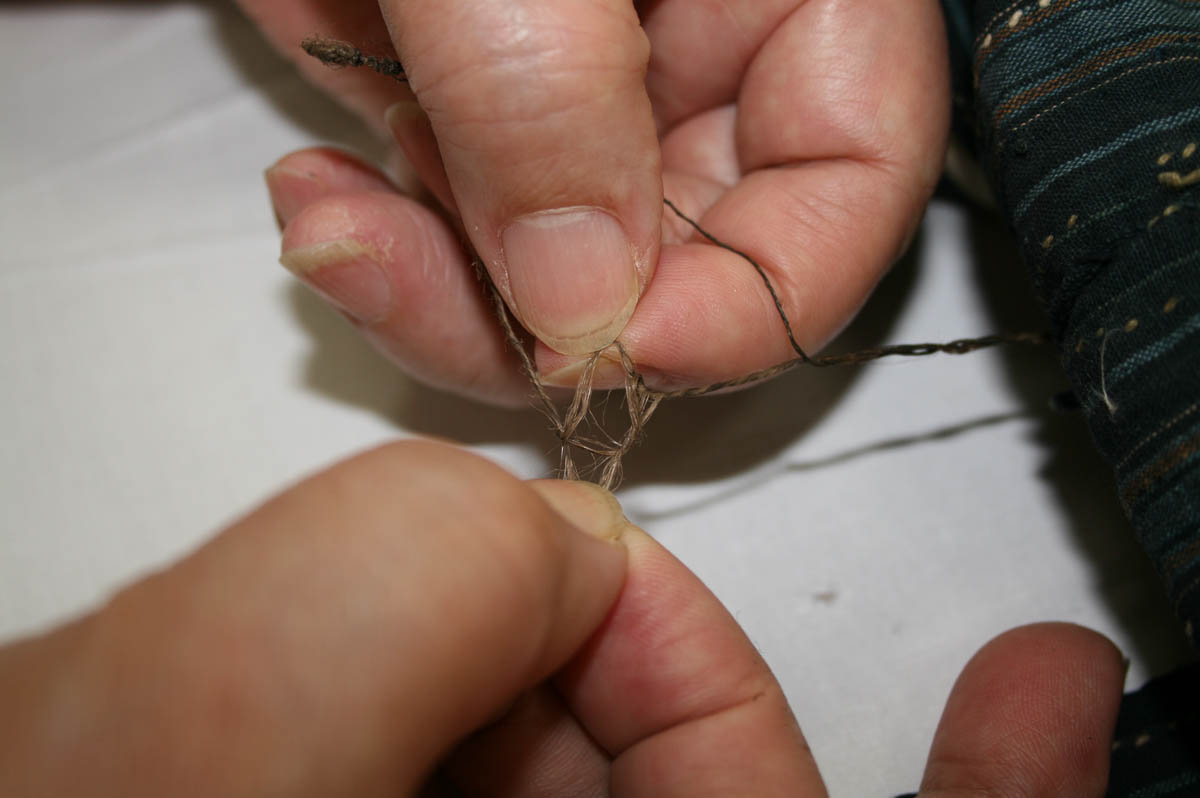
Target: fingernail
pixel 399 115
pixel 572 277
pixel 290 191
pixel 589 507
pixel 346 273
pixel 412 130
pixel 609 372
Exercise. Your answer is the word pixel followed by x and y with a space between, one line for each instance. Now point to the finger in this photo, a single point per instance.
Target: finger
pixel 397 270
pixel 703 146
pixel 871 86
pixel 668 699
pixel 301 178
pixel 863 81
pixel 537 750
pixel 32 673
pixel 700 51
pixel 836 179
pixel 334 642
pixel 426 311
pixel 1032 715
pixel 673 690
pixel 413 132
pixel 543 124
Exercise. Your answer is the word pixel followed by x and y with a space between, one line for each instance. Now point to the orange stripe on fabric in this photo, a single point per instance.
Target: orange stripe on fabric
pixel 1160 467
pixel 1107 58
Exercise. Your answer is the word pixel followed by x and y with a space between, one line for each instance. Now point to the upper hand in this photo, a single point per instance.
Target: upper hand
pixel 416 609
pixel 809 133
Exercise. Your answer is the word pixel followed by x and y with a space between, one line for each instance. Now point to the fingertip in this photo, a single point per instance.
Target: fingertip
pixel 410 127
pixel 588 506
pixel 1053 645
pixel 301 178
pixel 1032 714
pixel 398 269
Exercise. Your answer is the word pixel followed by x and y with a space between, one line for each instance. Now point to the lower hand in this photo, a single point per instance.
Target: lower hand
pixel 415 617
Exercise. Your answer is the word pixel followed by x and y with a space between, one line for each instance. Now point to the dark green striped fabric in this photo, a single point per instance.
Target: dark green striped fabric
pixel 1157 739
pixel 1086 117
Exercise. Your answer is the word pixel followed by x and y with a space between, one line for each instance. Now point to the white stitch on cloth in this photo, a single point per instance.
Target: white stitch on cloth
pixel 1001 15
pixel 1177 180
pixel 1103 392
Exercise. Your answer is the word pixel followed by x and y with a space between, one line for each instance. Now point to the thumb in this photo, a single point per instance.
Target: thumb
pixel 1031 716
pixel 335 642
pixel 549 145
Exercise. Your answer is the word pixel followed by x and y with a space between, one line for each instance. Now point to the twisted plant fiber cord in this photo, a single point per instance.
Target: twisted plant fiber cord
pixel 577 427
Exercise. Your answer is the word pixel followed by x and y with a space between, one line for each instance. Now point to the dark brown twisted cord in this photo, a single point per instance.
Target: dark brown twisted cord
pixel 762 273
pixel 577 427
pixel 336 53
pixel 959 347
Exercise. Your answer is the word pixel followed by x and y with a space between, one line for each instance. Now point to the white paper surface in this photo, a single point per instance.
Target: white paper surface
pixel 160 374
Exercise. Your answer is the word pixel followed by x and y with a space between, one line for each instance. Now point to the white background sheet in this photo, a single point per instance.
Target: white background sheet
pixel 160 374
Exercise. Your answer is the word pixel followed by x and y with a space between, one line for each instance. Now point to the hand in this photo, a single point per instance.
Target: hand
pixel 808 133
pixel 418 611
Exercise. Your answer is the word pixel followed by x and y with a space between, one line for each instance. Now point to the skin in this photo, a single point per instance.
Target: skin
pixel 415 619
pixel 809 133
pixel 369 632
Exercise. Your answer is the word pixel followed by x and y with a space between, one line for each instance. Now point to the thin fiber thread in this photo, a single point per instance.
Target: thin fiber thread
pixel 578 429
